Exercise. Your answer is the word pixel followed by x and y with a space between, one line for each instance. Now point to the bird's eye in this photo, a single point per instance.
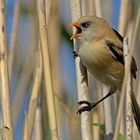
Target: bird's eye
pixel 86 24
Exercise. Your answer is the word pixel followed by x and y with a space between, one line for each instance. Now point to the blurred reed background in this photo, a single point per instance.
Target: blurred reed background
pixel 38 86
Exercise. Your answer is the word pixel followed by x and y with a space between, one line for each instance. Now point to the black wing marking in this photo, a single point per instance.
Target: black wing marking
pixel 118 35
pixel 136 110
pixel 112 46
pixel 117 53
pixel 133 63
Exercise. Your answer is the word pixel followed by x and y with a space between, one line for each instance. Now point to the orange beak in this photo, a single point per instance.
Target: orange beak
pixel 78 30
pixel 75 24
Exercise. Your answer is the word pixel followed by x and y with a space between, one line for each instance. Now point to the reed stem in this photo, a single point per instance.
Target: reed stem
pixel 7 128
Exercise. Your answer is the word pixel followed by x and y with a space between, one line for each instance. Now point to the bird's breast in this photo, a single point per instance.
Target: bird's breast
pixel 95 57
pixel 101 64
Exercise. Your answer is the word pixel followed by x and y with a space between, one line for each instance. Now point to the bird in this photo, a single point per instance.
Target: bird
pixel 101 52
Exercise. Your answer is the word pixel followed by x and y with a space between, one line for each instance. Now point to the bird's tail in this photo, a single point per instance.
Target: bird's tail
pixel 135 110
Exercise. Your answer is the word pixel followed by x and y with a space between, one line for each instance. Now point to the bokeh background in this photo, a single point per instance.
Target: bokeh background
pixel 62 62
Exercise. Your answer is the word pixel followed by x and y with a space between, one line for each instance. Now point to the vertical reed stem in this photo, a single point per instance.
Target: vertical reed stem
pixel 108 114
pixel 122 96
pixel 30 117
pixel 129 116
pixel 82 87
pixel 13 37
pixel 123 16
pixel 7 129
pixel 47 70
pixel 98 8
pixel 38 132
pixel 125 77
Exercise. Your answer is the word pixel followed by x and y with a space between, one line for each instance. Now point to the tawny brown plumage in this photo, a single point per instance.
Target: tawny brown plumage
pixel 101 52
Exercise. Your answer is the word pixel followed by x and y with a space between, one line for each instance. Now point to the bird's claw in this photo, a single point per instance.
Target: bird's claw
pixel 75 54
pixel 86 108
pixel 84 102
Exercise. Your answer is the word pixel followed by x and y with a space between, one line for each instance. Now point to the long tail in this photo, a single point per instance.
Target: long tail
pixel 136 110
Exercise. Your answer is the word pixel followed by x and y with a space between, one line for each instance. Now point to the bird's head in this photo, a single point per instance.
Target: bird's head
pixel 89 27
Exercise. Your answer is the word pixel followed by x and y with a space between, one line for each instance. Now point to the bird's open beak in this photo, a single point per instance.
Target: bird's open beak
pixel 78 30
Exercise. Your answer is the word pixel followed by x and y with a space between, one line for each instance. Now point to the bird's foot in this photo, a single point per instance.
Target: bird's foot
pixel 75 54
pixel 89 106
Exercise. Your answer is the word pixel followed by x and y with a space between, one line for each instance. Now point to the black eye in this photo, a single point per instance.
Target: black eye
pixel 86 24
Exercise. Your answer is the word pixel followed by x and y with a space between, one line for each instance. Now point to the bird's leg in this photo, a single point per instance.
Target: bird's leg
pixel 74 54
pixel 91 105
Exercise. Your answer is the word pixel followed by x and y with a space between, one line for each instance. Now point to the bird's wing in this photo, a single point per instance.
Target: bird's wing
pixel 117 53
pixel 135 105
pixel 118 35
pixel 136 110
pixel 133 63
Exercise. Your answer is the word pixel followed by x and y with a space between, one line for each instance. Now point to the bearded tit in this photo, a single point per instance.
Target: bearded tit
pixel 101 52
